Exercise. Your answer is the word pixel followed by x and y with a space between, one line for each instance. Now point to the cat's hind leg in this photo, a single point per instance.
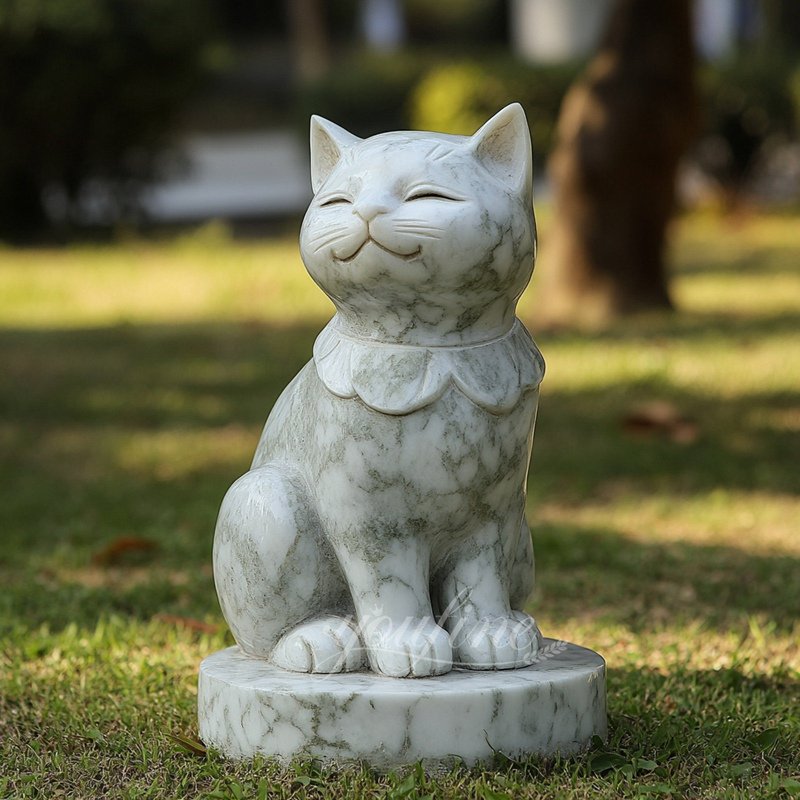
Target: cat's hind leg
pixel 279 583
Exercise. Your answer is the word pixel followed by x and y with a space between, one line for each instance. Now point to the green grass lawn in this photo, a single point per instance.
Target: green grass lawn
pixel 134 381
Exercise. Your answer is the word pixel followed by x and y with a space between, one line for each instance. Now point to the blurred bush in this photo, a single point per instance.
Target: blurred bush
pixel 450 98
pixel 367 92
pixel 460 97
pixel 794 90
pixel 464 21
pixel 371 92
pixel 89 90
pixel 750 102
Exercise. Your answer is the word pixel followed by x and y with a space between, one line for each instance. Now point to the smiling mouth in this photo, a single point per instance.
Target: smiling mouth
pixel 403 256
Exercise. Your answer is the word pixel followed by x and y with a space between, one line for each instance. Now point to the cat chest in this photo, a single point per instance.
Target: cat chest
pixel 447 450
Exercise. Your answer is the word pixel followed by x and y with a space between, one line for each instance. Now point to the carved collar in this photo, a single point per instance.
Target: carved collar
pixel 399 379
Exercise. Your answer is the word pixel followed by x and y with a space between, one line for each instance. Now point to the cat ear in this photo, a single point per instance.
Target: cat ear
pixel 503 146
pixel 328 143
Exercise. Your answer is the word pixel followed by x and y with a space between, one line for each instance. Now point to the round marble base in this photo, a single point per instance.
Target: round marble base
pixel 248 707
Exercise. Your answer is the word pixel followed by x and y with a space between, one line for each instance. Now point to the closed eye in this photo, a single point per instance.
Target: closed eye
pixel 335 201
pixel 428 194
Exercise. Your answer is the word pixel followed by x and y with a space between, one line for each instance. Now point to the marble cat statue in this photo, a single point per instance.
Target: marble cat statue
pixel 382 522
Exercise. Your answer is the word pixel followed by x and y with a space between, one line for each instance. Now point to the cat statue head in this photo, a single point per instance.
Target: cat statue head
pixel 420 238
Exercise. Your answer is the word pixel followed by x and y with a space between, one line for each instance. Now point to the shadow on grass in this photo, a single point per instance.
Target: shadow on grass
pixel 680 326
pixel 149 375
pixel 581 443
pixel 771 259
pixel 582 574
pixel 73 401
pixel 606 576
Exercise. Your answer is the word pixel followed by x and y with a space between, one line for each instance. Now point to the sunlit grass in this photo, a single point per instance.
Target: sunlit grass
pixel 195 278
pixel 134 381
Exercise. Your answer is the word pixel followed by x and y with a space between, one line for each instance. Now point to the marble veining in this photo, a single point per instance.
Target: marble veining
pixel 374 563
pixel 249 707
pixel 382 520
pixel 493 374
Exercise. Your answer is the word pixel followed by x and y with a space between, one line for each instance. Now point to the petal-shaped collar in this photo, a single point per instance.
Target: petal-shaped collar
pixel 399 379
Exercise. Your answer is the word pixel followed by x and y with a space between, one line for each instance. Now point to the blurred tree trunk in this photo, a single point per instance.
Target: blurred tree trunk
pixel 623 128
pixel 309 38
pixel 781 26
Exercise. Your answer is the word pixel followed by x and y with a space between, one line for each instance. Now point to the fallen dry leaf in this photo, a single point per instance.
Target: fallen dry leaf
pixel 122 547
pixel 685 432
pixel 194 746
pixel 661 418
pixel 187 622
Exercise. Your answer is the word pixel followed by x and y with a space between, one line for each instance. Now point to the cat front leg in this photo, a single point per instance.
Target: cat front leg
pixel 388 579
pixel 486 632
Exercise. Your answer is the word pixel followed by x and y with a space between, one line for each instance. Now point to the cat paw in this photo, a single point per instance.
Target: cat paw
pixel 416 648
pixel 326 644
pixel 497 642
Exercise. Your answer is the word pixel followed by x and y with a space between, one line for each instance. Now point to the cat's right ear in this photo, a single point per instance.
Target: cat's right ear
pixel 328 143
pixel 503 146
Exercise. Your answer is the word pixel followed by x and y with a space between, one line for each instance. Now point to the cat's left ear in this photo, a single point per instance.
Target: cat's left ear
pixel 503 146
pixel 328 143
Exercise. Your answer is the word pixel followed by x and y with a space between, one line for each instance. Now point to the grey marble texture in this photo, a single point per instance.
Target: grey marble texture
pixel 374 562
pixel 382 521
pixel 249 707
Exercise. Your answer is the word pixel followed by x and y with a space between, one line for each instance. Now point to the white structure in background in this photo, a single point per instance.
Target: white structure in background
pixel 382 24
pixel 241 175
pixel 716 24
pixel 235 175
pixel 553 31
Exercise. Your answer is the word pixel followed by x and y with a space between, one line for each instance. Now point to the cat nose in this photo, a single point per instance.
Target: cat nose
pixel 369 207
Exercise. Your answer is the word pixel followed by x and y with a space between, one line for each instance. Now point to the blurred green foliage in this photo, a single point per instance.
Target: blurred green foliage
pixel 462 20
pixel 89 89
pixel 368 92
pixel 373 92
pixel 448 23
pixel 460 97
pixel 749 101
